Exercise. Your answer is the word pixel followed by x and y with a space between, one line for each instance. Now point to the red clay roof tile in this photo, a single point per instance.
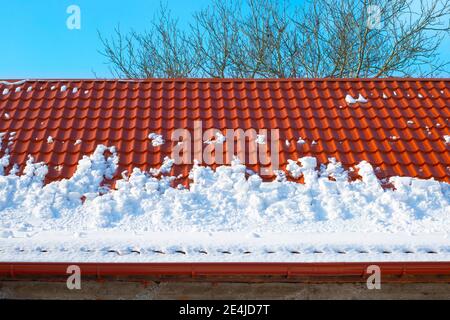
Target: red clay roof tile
pixel 400 129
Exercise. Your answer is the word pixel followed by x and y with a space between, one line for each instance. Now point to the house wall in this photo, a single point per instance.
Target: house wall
pixel 123 289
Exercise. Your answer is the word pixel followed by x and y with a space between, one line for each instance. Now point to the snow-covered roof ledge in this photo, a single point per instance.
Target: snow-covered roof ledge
pixel 87 171
pixel 225 215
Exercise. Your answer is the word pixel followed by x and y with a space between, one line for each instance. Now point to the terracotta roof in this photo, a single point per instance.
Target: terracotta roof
pixel 400 128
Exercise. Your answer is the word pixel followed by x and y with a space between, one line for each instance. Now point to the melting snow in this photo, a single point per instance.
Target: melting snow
pixel 165 167
pixel 350 100
pixel 294 169
pixel 5 91
pixel 13 83
pixel 156 139
pixel 219 138
pixel 49 139
pixel 447 139
pixel 260 139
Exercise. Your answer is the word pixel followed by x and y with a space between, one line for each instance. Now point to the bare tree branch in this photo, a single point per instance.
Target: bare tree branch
pixel 273 38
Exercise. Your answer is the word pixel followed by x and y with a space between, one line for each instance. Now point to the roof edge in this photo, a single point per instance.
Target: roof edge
pixel 18 81
pixel 321 269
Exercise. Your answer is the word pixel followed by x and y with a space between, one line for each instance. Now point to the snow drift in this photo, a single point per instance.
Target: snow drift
pixel 220 200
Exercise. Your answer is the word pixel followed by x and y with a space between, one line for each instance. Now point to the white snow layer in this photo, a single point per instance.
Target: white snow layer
pixel 223 201
pixel 350 100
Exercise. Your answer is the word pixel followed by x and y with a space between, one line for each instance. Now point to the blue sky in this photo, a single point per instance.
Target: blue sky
pixel 36 42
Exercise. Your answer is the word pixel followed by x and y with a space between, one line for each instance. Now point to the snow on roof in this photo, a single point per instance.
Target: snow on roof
pixel 113 246
pixel 229 210
pixel 156 139
pixel 234 213
pixel 350 100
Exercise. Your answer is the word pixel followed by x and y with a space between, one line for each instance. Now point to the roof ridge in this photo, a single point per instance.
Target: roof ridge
pixel 17 81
